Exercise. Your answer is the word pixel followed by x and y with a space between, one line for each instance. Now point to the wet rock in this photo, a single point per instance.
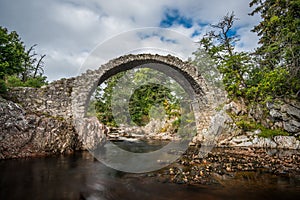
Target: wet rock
pixel 291 126
pixel 25 134
pixel 275 113
pixel 227 163
pixel 287 142
pixel 263 142
pixel 235 107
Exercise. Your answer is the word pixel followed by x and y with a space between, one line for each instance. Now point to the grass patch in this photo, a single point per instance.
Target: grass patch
pixel 249 125
pixel 268 133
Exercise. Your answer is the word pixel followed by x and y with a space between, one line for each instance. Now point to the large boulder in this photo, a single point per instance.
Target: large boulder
pixel 25 134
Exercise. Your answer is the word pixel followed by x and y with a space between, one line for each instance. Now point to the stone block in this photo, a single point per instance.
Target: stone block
pixel 275 113
pixel 293 111
pixel 287 142
pixel 291 126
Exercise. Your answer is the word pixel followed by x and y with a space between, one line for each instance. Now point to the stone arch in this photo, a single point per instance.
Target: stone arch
pixel 85 84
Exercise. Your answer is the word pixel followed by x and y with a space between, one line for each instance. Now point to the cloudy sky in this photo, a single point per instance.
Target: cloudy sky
pixel 67 31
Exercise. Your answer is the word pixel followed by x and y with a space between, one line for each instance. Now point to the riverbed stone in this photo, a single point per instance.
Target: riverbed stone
pixel 245 144
pixel 291 126
pixel 240 139
pixel 275 113
pixel 263 142
pixel 287 142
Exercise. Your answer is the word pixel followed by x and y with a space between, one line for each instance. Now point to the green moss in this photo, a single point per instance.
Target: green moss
pixel 219 107
pixel 268 133
pixel 59 118
pixel 247 124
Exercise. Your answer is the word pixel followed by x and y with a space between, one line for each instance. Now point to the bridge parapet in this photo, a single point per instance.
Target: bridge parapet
pixel 53 99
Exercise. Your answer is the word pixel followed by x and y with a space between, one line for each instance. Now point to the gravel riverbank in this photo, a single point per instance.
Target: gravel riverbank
pixel 223 164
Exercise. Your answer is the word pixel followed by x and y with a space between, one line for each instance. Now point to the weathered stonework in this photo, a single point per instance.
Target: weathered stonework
pixel 67 99
pixel 183 72
pixel 280 115
pixel 51 118
pixel 53 99
pixel 25 134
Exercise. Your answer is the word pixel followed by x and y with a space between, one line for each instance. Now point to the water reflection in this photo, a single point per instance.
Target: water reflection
pixel 80 176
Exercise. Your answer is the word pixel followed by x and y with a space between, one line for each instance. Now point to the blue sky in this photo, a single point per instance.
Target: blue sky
pixel 67 31
pixel 173 17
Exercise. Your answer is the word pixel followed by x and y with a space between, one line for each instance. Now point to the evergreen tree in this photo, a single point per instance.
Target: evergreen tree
pixel 18 67
pixel 12 53
pixel 141 101
pixel 234 66
pixel 279 41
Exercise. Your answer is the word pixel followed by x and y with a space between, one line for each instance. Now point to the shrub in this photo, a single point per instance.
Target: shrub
pixel 3 88
pixel 14 81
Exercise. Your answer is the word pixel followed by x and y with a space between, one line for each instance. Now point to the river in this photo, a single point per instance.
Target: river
pixel 80 176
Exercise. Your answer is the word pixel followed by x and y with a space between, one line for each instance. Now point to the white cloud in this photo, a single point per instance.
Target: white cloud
pixel 67 30
pixel 75 18
pixel 248 40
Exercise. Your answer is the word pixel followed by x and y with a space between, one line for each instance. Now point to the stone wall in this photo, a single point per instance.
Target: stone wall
pixel 53 99
pixel 281 114
pixel 55 108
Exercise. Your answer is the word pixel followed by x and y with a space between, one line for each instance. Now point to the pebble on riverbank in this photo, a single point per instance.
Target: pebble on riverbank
pixel 222 164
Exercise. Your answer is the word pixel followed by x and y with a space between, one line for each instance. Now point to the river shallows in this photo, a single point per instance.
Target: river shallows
pixel 80 176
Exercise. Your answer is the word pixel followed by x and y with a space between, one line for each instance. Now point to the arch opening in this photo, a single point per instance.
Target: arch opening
pixel 182 72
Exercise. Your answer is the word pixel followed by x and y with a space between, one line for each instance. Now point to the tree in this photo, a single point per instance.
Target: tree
pixel 279 41
pixel 234 66
pixel 19 67
pixel 103 99
pixel 146 98
pixel 12 53
pixel 33 66
pixel 143 99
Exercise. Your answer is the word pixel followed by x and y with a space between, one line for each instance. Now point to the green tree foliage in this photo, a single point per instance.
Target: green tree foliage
pixel 142 102
pixel 273 69
pixel 234 66
pixel 15 81
pixel 12 53
pixel 3 87
pixel 147 97
pixel 103 99
pixel 18 67
pixel 279 41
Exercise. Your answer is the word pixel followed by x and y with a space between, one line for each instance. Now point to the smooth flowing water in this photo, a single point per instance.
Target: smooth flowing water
pixel 80 176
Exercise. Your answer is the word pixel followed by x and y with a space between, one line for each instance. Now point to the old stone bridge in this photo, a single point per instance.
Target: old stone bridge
pixel 67 99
